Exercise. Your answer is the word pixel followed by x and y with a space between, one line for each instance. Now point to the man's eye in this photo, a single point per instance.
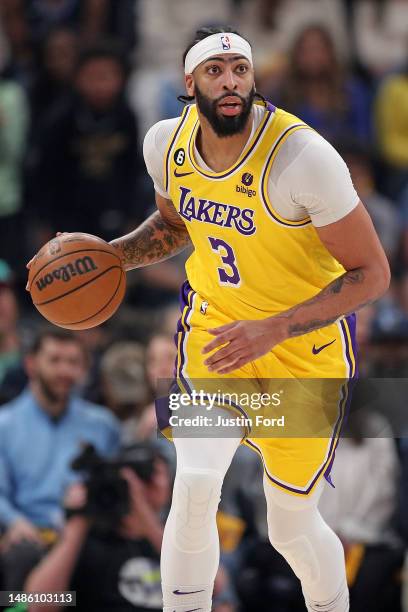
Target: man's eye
pixel 242 68
pixel 213 69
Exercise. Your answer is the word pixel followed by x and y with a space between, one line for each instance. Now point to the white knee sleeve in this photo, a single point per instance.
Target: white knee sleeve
pixel 301 557
pixel 196 497
pixel 314 552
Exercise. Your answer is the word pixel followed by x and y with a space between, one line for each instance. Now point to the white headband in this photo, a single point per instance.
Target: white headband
pixel 216 44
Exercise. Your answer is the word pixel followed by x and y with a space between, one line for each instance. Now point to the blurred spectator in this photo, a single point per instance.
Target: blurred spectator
pixel 319 90
pixel 160 360
pixel 124 386
pixel 274 24
pixel 392 130
pixel 380 33
pixel 382 210
pixel 117 568
pixel 92 19
pixel 21 61
pixel 404 250
pixel 362 515
pixel 41 431
pixel 86 171
pixel 9 340
pixel 13 131
pixel 54 81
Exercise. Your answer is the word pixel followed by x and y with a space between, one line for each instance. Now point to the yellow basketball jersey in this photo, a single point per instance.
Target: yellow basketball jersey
pixel 248 261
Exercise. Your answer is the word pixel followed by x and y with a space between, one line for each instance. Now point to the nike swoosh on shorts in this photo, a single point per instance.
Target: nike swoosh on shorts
pixel 316 351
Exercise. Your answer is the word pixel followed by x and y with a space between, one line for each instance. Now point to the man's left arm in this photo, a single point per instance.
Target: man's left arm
pixel 354 243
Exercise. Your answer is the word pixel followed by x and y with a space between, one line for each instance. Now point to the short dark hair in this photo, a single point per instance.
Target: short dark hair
pixel 54 333
pixel 105 49
pixel 204 32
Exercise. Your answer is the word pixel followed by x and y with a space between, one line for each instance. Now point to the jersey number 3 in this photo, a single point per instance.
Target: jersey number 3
pixel 228 274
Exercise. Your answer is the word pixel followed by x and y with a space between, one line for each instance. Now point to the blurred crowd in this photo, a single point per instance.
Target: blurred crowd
pixel 80 83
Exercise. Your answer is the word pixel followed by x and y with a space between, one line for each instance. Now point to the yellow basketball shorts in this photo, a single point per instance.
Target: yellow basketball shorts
pixel 310 374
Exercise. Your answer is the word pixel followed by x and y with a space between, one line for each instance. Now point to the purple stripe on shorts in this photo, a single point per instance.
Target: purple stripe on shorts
pixel 351 323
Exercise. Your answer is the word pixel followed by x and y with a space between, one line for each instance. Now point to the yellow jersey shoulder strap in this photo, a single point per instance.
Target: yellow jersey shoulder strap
pixel 172 141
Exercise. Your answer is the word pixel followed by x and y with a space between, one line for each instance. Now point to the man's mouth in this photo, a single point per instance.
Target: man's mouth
pixel 230 106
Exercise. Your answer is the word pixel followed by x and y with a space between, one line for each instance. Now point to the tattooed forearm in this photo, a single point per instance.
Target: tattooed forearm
pixel 154 241
pixel 298 329
pixel 324 309
pixel 352 277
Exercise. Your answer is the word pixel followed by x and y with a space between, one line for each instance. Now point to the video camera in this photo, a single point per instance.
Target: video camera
pixel 108 499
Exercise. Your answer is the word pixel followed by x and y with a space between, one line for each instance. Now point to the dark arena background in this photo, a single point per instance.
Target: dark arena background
pixel 81 82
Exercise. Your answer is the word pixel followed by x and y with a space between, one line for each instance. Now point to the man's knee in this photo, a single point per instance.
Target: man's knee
pixel 300 555
pixel 195 501
pixel 291 525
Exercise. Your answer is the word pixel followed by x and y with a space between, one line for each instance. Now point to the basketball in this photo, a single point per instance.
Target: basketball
pixel 77 281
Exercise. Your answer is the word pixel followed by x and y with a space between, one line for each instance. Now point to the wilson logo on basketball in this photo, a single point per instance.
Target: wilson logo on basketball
pixel 81 266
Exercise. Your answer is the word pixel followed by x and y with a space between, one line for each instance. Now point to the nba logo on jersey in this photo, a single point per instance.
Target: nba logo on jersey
pixel 226 43
pixel 203 307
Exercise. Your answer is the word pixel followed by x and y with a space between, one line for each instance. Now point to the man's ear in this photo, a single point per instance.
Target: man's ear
pixel 189 81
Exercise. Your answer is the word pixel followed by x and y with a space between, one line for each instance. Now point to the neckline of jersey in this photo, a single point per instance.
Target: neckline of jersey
pixel 246 151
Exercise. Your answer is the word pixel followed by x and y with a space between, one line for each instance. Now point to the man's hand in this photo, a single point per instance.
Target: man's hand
pixel 20 530
pixel 244 341
pixel 143 520
pixel 30 263
pixel 138 522
pixel 75 496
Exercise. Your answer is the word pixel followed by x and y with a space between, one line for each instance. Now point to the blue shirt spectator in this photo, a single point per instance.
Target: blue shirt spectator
pixel 41 432
pixel 36 451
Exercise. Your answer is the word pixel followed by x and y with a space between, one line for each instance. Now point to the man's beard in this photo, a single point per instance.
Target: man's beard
pixel 223 125
pixel 51 394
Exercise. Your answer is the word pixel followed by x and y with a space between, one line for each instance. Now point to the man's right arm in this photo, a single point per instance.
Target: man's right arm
pixel 161 236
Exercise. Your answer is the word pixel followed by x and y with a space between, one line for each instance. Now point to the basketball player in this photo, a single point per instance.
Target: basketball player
pixel 284 253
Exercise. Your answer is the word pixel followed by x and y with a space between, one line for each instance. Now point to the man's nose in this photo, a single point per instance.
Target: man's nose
pixel 230 81
pixel 68 371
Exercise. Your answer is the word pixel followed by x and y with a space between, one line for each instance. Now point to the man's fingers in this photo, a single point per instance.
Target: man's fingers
pixel 224 353
pixel 222 328
pixel 228 363
pixel 234 366
pixel 219 341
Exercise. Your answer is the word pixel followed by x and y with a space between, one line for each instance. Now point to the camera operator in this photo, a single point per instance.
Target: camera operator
pixel 114 568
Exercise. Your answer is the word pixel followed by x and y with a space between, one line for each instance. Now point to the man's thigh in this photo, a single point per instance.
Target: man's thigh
pixel 18 561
